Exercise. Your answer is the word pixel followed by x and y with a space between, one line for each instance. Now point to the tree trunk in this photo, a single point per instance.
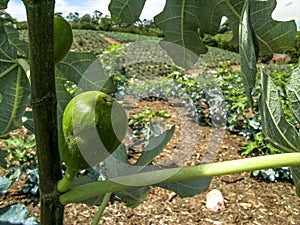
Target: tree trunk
pixel 44 105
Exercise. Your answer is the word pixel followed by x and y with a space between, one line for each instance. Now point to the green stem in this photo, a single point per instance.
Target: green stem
pixel 230 6
pixel 64 184
pixel 101 209
pixel 99 188
pixel 8 70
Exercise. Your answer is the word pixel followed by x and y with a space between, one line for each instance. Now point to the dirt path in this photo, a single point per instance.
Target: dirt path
pixel 109 40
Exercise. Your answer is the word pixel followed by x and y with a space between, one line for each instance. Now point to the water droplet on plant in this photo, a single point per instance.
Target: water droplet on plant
pixel 70 87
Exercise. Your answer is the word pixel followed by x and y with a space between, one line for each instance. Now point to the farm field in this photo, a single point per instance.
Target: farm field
pixel 248 199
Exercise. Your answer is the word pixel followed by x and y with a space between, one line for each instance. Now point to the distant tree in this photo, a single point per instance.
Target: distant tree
pixel 7 18
pixel 86 18
pixel 86 22
pixel 73 19
pixel 96 17
pixel 106 23
pixel 23 25
pixel 60 14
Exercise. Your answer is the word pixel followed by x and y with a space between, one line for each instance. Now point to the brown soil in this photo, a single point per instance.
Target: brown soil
pixel 247 200
pixel 109 40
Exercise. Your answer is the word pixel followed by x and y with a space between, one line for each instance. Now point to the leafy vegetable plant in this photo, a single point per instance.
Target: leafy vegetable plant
pixel 20 150
pixel 35 75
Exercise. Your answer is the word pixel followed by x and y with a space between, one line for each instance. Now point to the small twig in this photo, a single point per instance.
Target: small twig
pixel 101 209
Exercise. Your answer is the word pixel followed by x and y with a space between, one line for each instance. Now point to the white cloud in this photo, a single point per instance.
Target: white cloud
pixel 82 7
pixel 287 10
pixel 16 9
pixel 152 8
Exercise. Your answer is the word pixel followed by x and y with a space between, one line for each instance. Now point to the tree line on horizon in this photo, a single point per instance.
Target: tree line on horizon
pixel 98 21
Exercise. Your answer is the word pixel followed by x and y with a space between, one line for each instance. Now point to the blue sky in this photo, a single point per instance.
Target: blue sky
pixel 17 10
pixel 285 10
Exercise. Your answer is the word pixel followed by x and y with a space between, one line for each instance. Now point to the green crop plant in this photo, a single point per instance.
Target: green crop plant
pixel 36 75
pixel 88 41
pixel 20 150
pixel 145 117
pixel 258 146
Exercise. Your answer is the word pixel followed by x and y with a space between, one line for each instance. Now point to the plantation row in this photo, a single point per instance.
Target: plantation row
pixel 237 117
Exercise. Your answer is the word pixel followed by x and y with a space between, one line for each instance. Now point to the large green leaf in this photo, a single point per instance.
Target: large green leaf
pixel 3 4
pixel 155 147
pixel 184 20
pixel 248 49
pixel 281 134
pixel 180 21
pixel 296 178
pixel 293 92
pixel 3 162
pixel 117 166
pixel 187 188
pixel 14 86
pixel 128 11
pixel 14 40
pixel 273 36
pixel 134 196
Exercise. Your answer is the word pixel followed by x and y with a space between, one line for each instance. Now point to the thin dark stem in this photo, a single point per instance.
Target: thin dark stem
pixel 44 105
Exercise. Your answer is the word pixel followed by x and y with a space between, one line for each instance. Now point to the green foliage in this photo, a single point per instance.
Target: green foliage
pixel 216 57
pixel 22 25
pixel 189 15
pixel 276 128
pixel 63 38
pixel 258 146
pixel 14 86
pixel 183 23
pixel 7 19
pixel 122 9
pixel 20 150
pixel 221 41
pixel 112 59
pixel 187 188
pixel 3 4
pixel 88 41
pixel 232 87
pixel 280 133
pixel 293 94
pixel 249 50
pixel 146 116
